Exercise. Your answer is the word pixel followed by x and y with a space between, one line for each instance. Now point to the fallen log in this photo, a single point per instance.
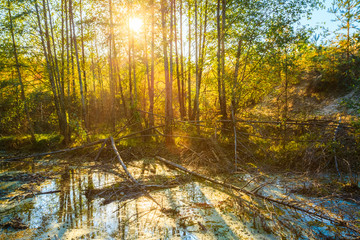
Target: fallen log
pixel 293 204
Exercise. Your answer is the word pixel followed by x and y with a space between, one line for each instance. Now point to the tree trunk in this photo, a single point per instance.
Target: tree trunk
pixel 130 76
pixel 67 52
pixel 221 59
pixel 171 54
pixel 23 98
pixel 189 63
pixel 234 99
pixel 63 126
pixel 177 67
pixel 197 90
pixel 151 85
pixel 78 65
pixel 223 109
pixel 168 101
pixel 58 79
pixel 83 65
pixel 200 65
pixel 182 62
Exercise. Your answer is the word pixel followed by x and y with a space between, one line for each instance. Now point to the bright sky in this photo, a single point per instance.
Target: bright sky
pixel 323 19
pixel 323 16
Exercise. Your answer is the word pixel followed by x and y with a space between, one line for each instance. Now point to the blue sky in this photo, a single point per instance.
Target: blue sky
pixel 322 18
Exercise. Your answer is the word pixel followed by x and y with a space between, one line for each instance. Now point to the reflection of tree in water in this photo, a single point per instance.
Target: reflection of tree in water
pixel 90 206
pixel 71 203
pixel 64 199
pixel 80 197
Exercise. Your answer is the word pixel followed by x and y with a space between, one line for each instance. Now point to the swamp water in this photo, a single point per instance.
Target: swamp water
pixel 193 210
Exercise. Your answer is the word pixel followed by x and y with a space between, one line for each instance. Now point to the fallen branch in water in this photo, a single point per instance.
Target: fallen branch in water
pixel 293 204
pixel 121 161
pixel 50 192
pixel 137 184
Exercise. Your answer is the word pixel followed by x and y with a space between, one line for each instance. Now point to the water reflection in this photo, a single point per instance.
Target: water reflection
pixel 197 210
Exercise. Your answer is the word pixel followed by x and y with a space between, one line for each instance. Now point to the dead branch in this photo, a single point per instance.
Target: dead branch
pixel 141 187
pixel 193 151
pixel 51 192
pixel 293 204
pixel 121 161
pixel 100 150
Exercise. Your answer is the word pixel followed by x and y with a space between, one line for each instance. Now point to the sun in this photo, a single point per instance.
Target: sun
pixel 135 24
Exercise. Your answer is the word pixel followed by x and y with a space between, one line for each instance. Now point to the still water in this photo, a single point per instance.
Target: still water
pixel 194 210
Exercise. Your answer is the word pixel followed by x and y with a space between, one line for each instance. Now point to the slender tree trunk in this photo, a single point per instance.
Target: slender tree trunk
pixel 57 72
pixel 200 65
pixel 168 102
pixel 62 77
pixel 221 58
pixel 58 79
pixel 23 98
pixel 348 43
pixel 111 71
pixel 73 95
pixel 78 65
pixel 134 73
pixel 171 54
pixel 151 85
pixel 67 52
pixel 218 54
pixel 116 71
pixel 234 99
pixel 177 67
pixel 121 89
pixel 130 75
pixel 223 109
pixel 189 63
pixel 197 90
pixel 62 122
pixel 83 66
pixel 54 71
pixel 285 113
pixel 182 63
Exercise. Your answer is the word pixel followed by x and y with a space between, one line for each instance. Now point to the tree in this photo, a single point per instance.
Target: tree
pixel 23 98
pixel 46 47
pixel 347 14
pixel 168 84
